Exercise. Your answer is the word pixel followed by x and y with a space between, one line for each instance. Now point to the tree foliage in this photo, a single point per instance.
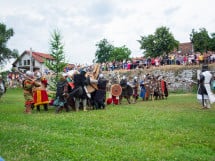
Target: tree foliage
pixel 148 44
pixel 200 40
pixel 107 52
pixel 212 42
pixel 162 42
pixel 120 53
pixel 57 52
pixel 103 52
pixel 6 53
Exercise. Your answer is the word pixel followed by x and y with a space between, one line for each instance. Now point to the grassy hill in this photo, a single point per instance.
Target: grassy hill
pixel 172 129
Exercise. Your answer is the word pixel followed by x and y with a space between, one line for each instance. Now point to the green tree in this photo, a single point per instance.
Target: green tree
pixel 57 52
pixel 148 44
pixel 200 40
pixel 120 53
pixel 161 43
pixel 212 42
pixel 6 53
pixel 103 52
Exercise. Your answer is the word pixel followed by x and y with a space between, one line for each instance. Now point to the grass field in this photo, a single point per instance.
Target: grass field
pixel 172 129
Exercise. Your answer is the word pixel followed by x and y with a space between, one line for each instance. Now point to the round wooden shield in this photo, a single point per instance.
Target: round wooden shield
pixel 116 90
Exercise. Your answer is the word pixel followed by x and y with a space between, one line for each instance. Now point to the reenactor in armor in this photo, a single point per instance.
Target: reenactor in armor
pixel 100 93
pixel 135 86
pixel 28 84
pixel 79 92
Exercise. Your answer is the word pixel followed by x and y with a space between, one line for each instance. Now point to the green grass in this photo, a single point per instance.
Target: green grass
pixel 172 129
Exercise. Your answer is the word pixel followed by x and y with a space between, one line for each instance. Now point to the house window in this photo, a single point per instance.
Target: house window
pixel 28 62
pixel 25 62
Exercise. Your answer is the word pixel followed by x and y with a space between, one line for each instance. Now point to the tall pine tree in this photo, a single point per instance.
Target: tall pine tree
pixel 57 52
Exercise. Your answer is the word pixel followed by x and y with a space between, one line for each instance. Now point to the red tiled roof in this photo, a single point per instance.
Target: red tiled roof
pixel 184 48
pixel 40 57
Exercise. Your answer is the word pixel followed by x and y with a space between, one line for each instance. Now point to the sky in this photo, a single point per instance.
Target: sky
pixel 83 23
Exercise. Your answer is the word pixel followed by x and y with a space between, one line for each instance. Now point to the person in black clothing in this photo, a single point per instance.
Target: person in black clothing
pixel 79 92
pixel 61 94
pixel 100 94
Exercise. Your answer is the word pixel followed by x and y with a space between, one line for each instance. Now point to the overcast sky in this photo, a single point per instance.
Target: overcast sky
pixel 83 23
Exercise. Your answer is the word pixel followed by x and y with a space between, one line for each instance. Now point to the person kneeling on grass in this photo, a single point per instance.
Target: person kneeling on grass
pixel 61 94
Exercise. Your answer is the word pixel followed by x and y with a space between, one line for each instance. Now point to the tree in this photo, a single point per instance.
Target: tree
pixel 161 43
pixel 148 44
pixel 103 52
pixel 212 42
pixel 6 53
pixel 200 40
pixel 120 53
pixel 57 52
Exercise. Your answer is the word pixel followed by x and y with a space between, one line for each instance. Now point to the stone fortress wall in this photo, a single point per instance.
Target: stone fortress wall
pixel 179 78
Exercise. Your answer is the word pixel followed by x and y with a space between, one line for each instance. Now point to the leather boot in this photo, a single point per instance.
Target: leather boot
pixel 45 107
pixel 28 109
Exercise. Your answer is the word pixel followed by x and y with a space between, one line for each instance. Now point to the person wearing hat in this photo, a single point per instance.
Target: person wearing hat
pixel 205 94
pixel 28 85
pixel 2 86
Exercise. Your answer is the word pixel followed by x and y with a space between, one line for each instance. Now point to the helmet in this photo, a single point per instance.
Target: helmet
pixel 101 75
pixel 64 74
pixel 38 75
pixel 29 73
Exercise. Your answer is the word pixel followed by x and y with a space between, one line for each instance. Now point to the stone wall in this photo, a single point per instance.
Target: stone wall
pixel 179 78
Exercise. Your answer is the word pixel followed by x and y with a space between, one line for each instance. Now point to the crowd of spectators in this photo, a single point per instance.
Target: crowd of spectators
pixel 135 63
pixel 15 79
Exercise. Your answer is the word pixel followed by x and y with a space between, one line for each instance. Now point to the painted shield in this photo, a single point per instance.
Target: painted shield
pixel 116 90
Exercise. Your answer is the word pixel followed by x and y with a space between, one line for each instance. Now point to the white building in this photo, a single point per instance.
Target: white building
pixel 32 61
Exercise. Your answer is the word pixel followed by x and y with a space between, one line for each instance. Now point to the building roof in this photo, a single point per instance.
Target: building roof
pixel 184 48
pixel 40 57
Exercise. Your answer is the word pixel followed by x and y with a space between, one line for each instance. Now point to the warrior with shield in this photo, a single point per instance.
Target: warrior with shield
pixel 127 90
